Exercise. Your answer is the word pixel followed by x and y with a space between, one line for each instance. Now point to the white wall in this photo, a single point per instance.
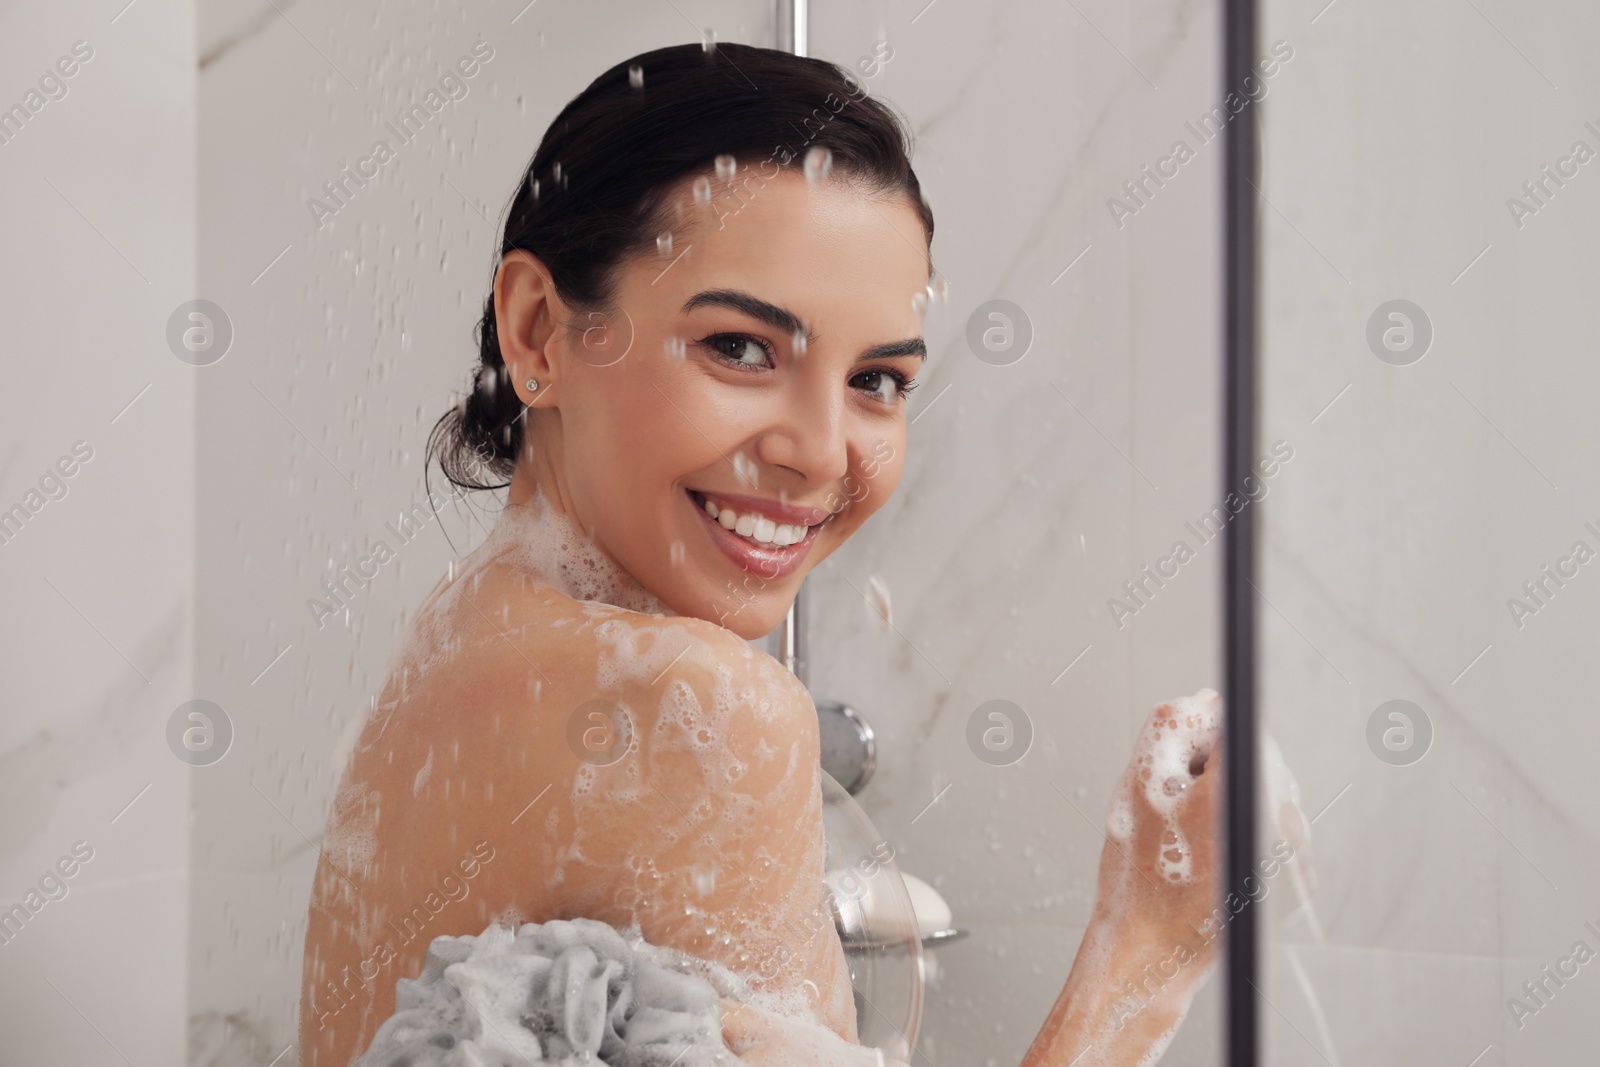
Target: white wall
pixel 99 231
pixel 1416 506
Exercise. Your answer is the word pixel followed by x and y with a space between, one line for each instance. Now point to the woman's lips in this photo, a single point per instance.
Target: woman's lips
pixel 771 562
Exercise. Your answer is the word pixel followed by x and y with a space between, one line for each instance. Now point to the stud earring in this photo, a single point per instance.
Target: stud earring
pixel 533 385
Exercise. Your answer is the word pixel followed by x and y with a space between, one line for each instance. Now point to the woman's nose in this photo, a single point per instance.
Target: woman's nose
pixel 809 434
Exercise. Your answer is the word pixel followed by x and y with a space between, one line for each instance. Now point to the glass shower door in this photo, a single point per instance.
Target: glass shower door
pixel 1427 588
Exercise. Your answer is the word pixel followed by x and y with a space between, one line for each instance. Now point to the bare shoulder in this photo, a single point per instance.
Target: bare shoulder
pixel 664 772
pixel 503 672
pixel 698 818
pixel 702 821
pixel 674 677
pixel 702 704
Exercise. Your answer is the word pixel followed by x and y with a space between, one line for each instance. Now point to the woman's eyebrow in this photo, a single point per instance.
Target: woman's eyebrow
pixel 787 321
pixel 771 314
pixel 913 346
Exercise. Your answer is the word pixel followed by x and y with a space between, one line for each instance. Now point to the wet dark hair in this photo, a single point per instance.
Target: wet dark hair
pixel 596 192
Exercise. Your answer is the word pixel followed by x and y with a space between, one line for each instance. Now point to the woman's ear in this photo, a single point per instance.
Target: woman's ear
pixel 525 315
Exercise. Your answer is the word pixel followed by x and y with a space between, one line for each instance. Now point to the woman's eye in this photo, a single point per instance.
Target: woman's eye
pixel 887 385
pixel 738 348
pixel 752 353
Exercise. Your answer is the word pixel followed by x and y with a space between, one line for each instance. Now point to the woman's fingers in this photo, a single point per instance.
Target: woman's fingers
pixel 1204 791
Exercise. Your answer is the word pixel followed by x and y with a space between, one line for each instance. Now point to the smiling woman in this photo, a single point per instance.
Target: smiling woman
pixel 762 415
pixel 759 359
pixel 688 410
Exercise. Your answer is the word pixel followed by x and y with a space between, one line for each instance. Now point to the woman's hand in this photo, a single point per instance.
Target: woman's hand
pixel 1153 933
pixel 1159 869
pixel 1161 877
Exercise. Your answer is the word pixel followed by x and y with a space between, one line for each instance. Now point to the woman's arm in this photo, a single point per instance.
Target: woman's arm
pixel 708 833
pixel 1154 933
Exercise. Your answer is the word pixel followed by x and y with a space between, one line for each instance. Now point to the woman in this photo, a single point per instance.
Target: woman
pixel 704 323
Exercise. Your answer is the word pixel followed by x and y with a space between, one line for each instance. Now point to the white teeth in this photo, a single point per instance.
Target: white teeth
pixel 757 528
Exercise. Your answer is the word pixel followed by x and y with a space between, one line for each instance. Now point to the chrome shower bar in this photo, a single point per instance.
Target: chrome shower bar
pixel 793 19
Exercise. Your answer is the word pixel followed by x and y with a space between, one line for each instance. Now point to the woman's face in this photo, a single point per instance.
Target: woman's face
pixel 757 364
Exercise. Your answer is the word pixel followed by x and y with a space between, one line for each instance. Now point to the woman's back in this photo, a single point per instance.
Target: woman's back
pixel 535 756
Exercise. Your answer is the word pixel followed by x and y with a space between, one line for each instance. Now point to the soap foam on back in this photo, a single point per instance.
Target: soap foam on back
pixel 549 543
pixel 546 543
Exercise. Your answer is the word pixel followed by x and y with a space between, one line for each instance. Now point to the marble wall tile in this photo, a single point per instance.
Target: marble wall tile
pixel 1424 496
pixel 96 447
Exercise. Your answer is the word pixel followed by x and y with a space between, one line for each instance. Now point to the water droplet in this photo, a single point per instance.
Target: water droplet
pixel 797 341
pixel 677 553
pixel 708 41
pixel 819 161
pixel 636 76
pixel 555 170
pixel 940 289
pixel 745 468
pixel 727 167
pixel 919 303
pixel 533 186
pixel 702 191
pixel 878 601
pixel 664 243
pixel 677 348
